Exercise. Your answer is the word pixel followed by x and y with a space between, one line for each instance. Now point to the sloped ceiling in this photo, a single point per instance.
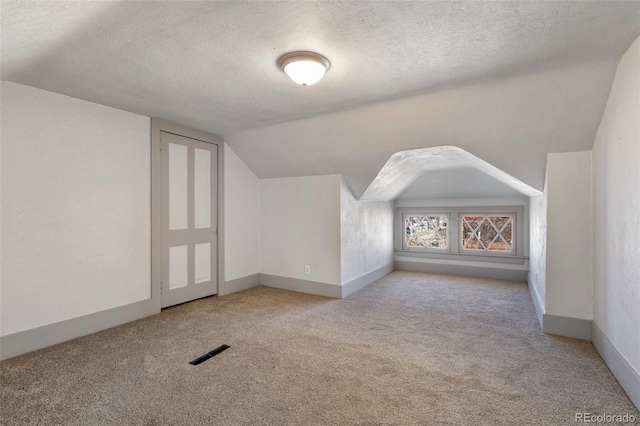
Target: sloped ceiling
pixel 457 183
pixel 506 81
pixel 510 123
pixel 405 168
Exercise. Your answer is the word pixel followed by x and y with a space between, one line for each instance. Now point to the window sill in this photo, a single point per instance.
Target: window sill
pixel 464 258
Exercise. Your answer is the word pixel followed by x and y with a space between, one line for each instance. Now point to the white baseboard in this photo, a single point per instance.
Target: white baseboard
pixel 626 375
pixel 554 324
pixel 239 284
pixel 362 281
pixel 41 337
pixel 565 326
pixel 301 286
pixel 325 289
pixel 48 335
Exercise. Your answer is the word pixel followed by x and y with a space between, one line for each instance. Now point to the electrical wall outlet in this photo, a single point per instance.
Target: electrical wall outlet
pixel 307 269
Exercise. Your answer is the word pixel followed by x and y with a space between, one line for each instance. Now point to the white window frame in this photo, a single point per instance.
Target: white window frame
pixel 426 213
pixel 454 227
pixel 485 252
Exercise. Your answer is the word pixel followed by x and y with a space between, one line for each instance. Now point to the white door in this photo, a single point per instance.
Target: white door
pixel 189 219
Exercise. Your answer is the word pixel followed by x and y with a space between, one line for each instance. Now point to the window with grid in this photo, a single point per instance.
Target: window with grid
pixel 426 232
pixel 487 232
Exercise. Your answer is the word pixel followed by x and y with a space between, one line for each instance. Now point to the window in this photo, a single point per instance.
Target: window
pixel 484 234
pixel 487 232
pixel 426 231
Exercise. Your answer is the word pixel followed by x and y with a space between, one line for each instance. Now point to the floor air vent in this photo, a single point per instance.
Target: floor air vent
pixel 208 355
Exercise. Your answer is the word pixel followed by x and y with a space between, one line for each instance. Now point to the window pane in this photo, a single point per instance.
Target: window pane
pixel 469 236
pixel 503 224
pixel 487 233
pixel 426 231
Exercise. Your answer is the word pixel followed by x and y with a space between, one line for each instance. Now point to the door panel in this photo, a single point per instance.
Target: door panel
pixel 189 219
pixel 178 181
pixel 202 188
pixel 178 267
pixel 202 263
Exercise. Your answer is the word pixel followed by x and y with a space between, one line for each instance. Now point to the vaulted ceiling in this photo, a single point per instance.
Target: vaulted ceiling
pixel 507 81
pixel 442 172
pixel 457 183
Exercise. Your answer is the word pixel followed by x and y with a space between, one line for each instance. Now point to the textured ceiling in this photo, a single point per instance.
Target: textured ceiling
pixel 405 168
pixel 211 65
pixel 511 123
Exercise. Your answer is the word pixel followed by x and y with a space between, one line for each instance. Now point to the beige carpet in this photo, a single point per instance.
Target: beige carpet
pixel 409 349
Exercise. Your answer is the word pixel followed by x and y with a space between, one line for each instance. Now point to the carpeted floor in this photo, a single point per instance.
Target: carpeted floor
pixel 409 349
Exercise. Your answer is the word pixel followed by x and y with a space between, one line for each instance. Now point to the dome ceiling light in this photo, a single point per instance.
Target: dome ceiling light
pixel 304 68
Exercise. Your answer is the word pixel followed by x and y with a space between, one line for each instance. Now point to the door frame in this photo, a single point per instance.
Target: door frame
pixel 157 126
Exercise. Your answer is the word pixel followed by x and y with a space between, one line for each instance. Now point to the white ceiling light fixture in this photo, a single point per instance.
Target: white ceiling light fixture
pixel 304 68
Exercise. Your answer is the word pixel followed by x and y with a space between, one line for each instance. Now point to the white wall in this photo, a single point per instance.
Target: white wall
pixel 366 234
pixel 242 218
pixel 569 281
pixel 616 218
pixel 538 248
pixel 300 220
pixel 1 86
pixel 75 208
pixel 463 202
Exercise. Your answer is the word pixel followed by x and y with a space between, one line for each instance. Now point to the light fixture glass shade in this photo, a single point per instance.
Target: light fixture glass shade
pixel 304 68
pixel 305 73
